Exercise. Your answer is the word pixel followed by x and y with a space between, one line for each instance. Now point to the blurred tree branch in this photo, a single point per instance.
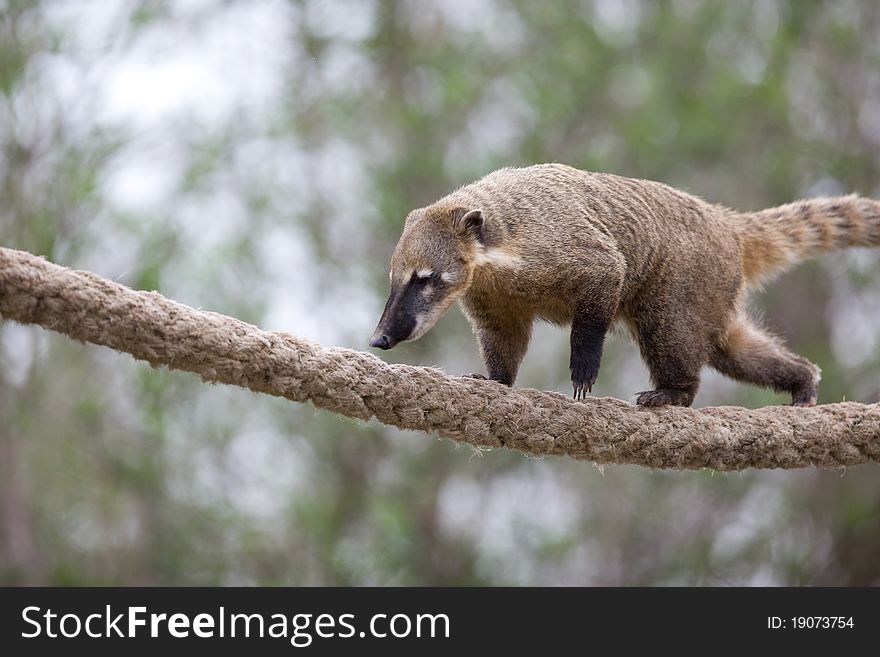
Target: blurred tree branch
pixel 484 414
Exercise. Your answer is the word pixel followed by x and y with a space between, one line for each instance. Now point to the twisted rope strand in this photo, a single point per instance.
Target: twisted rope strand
pixel 222 349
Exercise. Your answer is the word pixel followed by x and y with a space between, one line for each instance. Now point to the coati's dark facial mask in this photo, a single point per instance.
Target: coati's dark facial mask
pixel 412 309
pixel 431 267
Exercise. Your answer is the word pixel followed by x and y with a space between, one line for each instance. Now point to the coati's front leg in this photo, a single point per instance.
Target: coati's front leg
pixel 503 345
pixel 588 329
pixel 594 310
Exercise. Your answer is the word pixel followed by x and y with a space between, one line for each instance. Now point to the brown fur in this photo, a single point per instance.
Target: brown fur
pixel 589 249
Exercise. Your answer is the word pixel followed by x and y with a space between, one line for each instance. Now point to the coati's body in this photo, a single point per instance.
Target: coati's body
pixel 588 249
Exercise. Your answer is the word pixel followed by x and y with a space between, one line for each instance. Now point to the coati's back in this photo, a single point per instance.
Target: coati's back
pixel 545 214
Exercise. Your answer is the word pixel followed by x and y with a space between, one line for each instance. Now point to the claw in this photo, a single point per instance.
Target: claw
pixel 581 390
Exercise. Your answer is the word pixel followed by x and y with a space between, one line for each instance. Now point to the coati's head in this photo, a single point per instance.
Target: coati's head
pixel 432 267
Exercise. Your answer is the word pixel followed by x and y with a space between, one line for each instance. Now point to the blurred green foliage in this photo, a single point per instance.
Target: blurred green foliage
pixel 258 158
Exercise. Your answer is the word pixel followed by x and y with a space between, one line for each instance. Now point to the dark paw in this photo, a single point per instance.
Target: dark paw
pixel 805 398
pixel 664 397
pixel 473 376
pixel 583 376
pixel 806 393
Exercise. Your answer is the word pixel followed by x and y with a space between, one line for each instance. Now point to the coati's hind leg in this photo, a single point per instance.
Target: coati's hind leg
pixel 746 353
pixel 503 344
pixel 675 350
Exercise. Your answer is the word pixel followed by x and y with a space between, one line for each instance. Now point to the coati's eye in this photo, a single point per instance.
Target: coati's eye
pixel 422 277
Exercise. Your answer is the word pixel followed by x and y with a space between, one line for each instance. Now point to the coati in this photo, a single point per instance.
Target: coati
pixel 590 249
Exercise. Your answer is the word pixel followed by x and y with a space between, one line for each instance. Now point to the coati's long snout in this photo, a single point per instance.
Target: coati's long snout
pixel 413 307
pixel 398 320
pixel 431 268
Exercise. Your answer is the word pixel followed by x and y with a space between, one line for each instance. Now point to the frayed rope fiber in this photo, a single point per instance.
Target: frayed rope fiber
pixel 485 414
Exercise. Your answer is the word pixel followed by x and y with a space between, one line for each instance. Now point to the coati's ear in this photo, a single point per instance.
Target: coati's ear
pixel 469 222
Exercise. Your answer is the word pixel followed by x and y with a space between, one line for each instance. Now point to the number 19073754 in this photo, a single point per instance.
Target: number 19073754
pixel 810 623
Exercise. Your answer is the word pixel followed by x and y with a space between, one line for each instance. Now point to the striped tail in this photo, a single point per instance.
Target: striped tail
pixel 778 238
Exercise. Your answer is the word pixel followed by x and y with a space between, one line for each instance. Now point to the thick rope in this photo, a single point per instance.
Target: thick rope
pixel 222 349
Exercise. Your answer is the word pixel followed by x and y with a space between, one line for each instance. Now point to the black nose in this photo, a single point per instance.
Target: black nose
pixel 381 342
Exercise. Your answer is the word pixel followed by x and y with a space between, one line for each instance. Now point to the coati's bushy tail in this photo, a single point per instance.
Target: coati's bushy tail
pixel 777 238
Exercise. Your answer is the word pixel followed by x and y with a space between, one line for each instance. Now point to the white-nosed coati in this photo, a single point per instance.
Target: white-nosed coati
pixel 587 249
